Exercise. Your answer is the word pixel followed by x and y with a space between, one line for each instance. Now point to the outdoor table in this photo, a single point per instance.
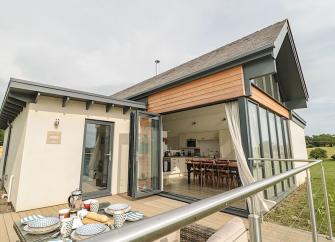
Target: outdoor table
pixel 26 237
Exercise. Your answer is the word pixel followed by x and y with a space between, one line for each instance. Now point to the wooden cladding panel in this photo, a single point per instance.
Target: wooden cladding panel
pixel 220 86
pixel 261 98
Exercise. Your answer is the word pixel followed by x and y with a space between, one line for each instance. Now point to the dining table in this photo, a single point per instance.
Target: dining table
pixel 189 164
pixel 26 237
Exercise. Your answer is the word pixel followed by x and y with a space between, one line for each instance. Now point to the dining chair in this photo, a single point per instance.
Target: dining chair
pixel 197 171
pixel 208 172
pixel 223 174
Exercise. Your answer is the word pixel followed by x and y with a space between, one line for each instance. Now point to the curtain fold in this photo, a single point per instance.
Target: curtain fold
pixel 260 205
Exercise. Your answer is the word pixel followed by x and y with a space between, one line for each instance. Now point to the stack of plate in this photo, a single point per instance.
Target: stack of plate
pixel 118 208
pixel 42 225
pixel 89 230
pixel 27 219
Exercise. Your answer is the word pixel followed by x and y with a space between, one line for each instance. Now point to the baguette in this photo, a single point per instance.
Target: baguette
pixel 97 217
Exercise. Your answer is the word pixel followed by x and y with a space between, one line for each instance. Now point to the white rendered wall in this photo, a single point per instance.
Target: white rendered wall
pixel 50 172
pixel 4 148
pixel 299 150
pixel 15 154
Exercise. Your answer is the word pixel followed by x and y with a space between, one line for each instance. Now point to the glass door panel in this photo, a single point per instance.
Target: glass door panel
pixel 275 151
pixel 145 157
pixel 268 165
pixel 283 164
pixel 97 155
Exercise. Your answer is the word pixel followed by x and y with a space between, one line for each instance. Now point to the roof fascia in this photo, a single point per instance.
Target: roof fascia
pixel 58 91
pixel 286 30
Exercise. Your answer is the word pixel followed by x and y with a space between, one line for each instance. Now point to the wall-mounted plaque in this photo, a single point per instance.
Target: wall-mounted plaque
pixel 54 137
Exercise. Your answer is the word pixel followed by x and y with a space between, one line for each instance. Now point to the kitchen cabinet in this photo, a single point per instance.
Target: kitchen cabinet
pixel 207 135
pixel 178 165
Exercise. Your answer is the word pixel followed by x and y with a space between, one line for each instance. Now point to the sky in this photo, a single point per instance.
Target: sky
pixel 104 46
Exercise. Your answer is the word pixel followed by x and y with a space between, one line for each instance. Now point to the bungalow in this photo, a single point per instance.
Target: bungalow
pixel 186 133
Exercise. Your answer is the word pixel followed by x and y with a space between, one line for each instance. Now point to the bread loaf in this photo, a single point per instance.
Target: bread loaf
pixel 97 217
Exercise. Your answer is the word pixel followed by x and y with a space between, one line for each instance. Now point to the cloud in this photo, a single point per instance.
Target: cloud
pixel 105 46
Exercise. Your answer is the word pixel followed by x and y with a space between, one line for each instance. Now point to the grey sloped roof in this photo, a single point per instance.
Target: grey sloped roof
pixel 237 49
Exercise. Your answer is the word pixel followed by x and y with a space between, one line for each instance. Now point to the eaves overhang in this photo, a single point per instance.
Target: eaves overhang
pixel 21 92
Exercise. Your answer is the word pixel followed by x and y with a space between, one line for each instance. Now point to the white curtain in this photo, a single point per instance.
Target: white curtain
pixel 94 159
pixel 233 117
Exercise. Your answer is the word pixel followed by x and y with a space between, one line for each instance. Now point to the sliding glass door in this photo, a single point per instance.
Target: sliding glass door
pixel 97 158
pixel 145 155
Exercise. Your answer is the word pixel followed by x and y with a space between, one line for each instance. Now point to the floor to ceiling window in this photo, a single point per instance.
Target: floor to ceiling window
pixel 269 138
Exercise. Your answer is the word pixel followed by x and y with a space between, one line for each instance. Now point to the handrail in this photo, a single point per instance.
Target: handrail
pixel 163 224
pixel 279 159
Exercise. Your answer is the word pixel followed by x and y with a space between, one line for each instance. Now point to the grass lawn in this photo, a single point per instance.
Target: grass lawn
pixel 293 210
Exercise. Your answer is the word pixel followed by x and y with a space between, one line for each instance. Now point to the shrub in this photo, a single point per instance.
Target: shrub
pixel 310 146
pixel 333 157
pixel 318 153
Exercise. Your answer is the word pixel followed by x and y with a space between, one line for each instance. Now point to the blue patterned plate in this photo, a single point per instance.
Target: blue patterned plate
pixel 134 216
pixel 43 222
pixel 27 219
pixel 91 229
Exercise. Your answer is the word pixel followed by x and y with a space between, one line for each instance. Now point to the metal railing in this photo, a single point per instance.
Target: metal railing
pixel 163 224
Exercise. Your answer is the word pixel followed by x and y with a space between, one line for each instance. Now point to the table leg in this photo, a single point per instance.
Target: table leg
pixel 188 174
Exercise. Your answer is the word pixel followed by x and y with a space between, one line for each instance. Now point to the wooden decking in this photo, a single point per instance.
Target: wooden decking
pixel 152 206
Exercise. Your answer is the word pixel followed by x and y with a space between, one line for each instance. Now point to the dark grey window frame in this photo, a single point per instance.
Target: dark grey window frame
pixel 282 123
pixel 108 191
pixel 132 166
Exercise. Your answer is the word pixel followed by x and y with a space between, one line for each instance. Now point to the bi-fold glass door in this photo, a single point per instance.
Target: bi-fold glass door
pixel 97 158
pixel 144 154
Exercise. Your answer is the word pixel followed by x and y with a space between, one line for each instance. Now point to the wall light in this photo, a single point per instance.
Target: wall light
pixel 56 123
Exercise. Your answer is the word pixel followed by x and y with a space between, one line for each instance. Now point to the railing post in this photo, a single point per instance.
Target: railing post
pixel 311 206
pixel 254 223
pixel 325 197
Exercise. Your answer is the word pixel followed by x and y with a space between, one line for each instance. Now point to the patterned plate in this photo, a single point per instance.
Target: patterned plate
pixel 134 216
pixel 43 222
pixel 41 231
pixel 118 207
pixel 77 237
pixel 27 219
pixel 91 229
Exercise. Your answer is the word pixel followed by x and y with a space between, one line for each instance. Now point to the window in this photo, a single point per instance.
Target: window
pixel 269 137
pixel 268 84
pixel 254 131
pixel 266 149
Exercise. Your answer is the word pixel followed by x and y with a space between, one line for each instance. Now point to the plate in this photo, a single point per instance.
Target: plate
pixel 90 229
pixel 27 219
pixel 134 216
pixel 77 237
pixel 117 208
pixel 41 231
pixel 43 222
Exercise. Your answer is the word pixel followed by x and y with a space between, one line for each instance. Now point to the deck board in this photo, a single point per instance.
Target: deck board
pixel 3 230
pixel 152 206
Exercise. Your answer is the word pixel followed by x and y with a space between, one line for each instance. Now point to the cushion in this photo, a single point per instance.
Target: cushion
pixel 233 230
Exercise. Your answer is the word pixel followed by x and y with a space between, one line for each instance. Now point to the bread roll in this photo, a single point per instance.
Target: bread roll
pixel 97 217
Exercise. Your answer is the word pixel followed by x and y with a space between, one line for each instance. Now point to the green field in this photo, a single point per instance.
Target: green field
pixel 330 150
pixel 293 210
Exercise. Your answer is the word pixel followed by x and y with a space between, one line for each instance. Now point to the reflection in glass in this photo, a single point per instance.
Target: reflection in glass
pixel 266 149
pixel 275 151
pixel 255 138
pixel 148 154
pixel 97 158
